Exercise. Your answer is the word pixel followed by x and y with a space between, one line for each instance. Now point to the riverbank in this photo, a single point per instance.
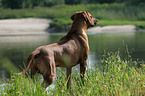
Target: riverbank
pixel 108 14
pixel 31 26
pixel 23 26
pixel 113 29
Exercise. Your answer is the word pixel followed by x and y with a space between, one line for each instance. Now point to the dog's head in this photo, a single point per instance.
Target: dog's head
pixel 91 21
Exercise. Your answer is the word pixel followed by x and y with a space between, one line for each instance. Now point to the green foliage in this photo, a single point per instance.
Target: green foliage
pixel 75 1
pixel 0 3
pixel 8 65
pixel 60 24
pixel 12 3
pixel 114 77
pixel 137 23
pixel 108 14
pixel 20 86
pixel 18 4
pixel 135 2
pixel 52 2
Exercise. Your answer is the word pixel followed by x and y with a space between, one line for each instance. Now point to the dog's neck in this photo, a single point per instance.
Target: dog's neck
pixel 79 26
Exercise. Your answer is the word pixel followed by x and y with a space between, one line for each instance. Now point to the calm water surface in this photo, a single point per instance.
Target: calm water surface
pixel 14 50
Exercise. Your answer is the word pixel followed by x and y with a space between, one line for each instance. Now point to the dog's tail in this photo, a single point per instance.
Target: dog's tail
pixel 30 59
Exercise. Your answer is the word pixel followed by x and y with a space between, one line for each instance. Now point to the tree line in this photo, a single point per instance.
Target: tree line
pixel 18 4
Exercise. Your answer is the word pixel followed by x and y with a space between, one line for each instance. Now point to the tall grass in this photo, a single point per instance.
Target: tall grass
pixel 114 78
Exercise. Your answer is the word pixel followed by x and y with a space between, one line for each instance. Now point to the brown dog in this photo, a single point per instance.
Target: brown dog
pixel 69 51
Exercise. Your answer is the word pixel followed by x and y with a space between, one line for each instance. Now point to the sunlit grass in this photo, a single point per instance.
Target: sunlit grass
pixel 114 78
pixel 138 24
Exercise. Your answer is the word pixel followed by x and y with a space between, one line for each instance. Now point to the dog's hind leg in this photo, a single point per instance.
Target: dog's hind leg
pixel 48 71
pixel 33 72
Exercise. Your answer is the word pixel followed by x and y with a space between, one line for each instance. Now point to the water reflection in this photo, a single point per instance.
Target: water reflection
pixel 17 48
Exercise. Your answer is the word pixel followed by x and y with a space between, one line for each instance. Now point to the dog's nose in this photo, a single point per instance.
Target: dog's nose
pixel 95 21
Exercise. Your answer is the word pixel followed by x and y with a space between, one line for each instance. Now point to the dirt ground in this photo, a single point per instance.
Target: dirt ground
pixel 23 26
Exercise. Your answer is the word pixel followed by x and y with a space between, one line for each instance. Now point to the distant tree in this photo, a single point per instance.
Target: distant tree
pixel 16 4
pixel 13 4
pixel 72 1
pixel 27 4
pixel 105 1
pixel 37 2
pixel 52 2
pixel 120 1
pixel 135 2
pixel 84 1
pixel 92 1
pixel 0 3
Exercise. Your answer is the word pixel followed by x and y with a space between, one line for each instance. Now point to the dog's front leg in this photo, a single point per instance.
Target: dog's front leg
pixel 83 67
pixel 69 77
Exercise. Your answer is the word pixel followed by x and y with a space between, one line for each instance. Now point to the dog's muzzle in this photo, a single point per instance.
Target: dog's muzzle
pixel 95 21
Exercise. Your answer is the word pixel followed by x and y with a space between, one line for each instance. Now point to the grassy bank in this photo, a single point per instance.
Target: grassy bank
pixel 108 14
pixel 114 78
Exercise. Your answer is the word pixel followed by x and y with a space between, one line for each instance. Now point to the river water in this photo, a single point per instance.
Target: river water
pixel 15 49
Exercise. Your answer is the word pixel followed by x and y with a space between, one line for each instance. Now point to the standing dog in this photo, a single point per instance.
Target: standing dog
pixel 69 51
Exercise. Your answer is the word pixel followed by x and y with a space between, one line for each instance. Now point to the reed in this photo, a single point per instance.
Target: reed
pixel 113 77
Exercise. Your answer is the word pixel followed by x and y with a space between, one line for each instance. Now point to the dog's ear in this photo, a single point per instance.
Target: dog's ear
pixel 74 15
pixel 88 17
